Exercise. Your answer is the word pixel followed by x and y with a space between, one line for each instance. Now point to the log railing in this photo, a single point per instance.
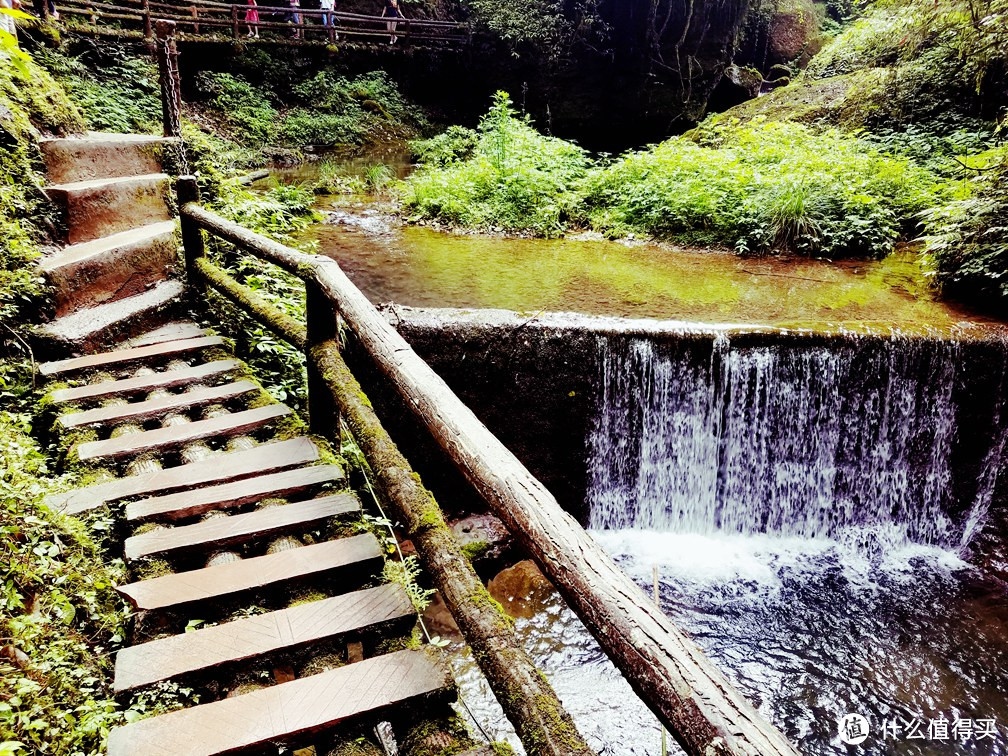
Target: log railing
pixel 692 698
pixel 208 19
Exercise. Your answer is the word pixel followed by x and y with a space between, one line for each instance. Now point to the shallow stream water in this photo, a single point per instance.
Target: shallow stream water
pixel 810 622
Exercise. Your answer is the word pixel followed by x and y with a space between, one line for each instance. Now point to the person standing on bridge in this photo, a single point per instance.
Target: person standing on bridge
pixel 252 18
pixel 295 17
pixel 328 16
pixel 392 13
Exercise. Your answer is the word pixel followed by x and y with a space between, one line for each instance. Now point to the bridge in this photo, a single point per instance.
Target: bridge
pixel 205 20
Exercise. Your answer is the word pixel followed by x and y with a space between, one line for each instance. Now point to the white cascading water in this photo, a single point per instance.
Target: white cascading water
pixel 789 441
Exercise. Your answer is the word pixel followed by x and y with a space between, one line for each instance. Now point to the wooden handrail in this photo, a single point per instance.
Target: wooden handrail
pixel 689 695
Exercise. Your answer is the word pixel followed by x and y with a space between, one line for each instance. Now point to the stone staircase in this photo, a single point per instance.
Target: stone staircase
pixel 232 515
pixel 115 276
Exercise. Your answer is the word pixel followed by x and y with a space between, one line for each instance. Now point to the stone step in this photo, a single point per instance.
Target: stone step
pixel 94 328
pixel 163 439
pixel 174 331
pixel 211 535
pixel 292 711
pixel 100 207
pixel 140 411
pixel 143 384
pixel 220 468
pixel 373 611
pixel 184 504
pixel 96 155
pixel 117 357
pixel 357 557
pixel 111 267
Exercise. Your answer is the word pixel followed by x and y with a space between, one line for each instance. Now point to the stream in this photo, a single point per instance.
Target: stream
pixel 825 574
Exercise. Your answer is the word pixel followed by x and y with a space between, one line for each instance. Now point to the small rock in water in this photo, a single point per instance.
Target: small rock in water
pixel 522 590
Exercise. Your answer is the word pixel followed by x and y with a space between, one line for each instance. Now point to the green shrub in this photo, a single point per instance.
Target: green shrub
pixel 967 237
pixel 246 109
pixel 119 92
pixel 760 187
pixel 454 144
pixel 515 180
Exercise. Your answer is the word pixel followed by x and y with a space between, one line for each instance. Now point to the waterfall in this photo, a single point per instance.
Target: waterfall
pixel 806 440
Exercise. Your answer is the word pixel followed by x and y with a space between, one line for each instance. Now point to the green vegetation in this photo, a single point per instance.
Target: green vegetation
pixel 761 187
pixel 515 180
pixel 757 187
pixel 967 238
pixel 327 110
pixel 30 101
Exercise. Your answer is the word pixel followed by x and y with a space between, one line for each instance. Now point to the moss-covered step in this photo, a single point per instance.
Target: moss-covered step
pixel 286 713
pixel 351 560
pixel 152 408
pixel 227 531
pixel 111 267
pixel 175 436
pixel 94 328
pixel 220 468
pixel 95 155
pixel 185 504
pixel 384 609
pixel 100 207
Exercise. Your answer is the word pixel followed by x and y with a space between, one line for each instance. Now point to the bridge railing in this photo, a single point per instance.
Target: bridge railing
pixel 668 671
pixel 205 18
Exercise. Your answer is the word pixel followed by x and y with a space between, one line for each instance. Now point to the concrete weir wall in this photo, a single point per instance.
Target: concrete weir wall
pixel 549 386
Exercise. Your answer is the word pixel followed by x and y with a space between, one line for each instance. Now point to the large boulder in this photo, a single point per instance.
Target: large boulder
pixel 793 32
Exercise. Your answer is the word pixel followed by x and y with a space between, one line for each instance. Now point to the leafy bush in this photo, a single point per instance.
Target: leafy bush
pixel 246 109
pixel 760 187
pixel 450 146
pixel 515 180
pixel 117 92
pixel 967 237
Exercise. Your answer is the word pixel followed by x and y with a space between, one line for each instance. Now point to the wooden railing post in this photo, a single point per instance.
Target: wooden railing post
pixel 234 21
pixel 171 86
pixel 193 246
pixel 148 28
pixel 322 326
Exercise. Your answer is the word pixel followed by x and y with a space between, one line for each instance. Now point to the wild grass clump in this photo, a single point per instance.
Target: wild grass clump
pixel 516 179
pixel 760 187
pixel 454 144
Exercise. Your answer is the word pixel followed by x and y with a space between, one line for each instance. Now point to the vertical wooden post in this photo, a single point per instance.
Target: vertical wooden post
pixel 148 29
pixel 171 86
pixel 195 16
pixel 193 247
pixel 234 21
pixel 322 325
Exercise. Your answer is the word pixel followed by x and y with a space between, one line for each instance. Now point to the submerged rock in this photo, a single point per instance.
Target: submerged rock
pixel 522 589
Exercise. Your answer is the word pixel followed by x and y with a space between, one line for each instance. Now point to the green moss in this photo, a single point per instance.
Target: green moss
pixel 474 550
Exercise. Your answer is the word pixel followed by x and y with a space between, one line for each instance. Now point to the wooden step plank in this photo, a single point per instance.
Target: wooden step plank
pixel 139 411
pixel 161 439
pixel 179 329
pixel 220 468
pixel 371 610
pixel 227 531
pixel 132 354
pixel 359 554
pixel 191 503
pixel 144 383
pixel 284 713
